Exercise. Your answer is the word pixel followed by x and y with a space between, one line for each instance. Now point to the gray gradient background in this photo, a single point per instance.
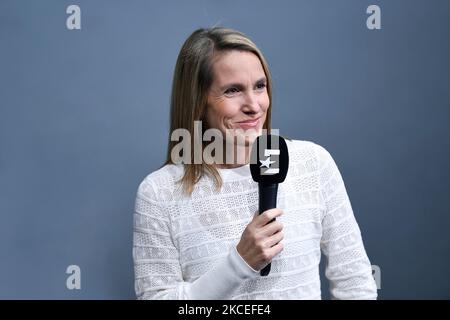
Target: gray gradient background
pixel 84 118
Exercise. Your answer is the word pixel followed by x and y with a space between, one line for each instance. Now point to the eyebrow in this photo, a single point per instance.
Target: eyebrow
pixel 240 85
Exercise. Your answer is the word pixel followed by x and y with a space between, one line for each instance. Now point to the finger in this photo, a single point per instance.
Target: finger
pixel 276 249
pixel 268 216
pixel 274 239
pixel 271 228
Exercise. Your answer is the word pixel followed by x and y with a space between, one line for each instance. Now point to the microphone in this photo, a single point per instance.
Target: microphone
pixel 269 164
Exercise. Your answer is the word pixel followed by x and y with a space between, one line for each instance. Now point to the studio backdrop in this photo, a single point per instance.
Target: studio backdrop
pixel 84 117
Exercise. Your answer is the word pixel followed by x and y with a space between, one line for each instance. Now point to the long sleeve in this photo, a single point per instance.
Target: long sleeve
pixel 348 268
pixel 158 273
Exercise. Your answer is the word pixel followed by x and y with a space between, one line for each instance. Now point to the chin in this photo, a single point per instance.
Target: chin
pixel 248 139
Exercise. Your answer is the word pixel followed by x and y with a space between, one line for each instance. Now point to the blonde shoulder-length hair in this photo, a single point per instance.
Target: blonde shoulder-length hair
pixel 192 79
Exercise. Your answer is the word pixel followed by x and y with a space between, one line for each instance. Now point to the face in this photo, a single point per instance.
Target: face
pixel 238 97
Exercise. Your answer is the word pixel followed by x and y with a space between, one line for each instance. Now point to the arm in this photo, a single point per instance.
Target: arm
pixel 348 268
pixel 158 273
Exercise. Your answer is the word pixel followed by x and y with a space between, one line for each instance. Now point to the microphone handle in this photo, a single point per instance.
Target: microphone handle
pixel 267 200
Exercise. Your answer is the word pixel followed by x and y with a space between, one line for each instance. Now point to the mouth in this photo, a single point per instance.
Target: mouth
pixel 249 122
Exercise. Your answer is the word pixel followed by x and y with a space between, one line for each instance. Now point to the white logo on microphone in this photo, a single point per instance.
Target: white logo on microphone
pixel 266 163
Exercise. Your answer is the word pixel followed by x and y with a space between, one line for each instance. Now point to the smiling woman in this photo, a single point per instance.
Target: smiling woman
pixel 236 110
pixel 221 78
pixel 197 230
pixel 238 96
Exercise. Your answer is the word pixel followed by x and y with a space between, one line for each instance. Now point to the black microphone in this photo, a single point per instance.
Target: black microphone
pixel 269 164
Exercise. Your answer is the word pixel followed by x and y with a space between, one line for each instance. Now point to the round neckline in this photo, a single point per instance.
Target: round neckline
pixel 234 168
pixel 237 172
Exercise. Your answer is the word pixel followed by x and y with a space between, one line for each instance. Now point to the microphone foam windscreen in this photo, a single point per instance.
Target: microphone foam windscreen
pixel 269 160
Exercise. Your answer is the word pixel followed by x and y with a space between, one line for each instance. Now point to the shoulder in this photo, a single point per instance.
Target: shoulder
pixel 304 150
pixel 160 184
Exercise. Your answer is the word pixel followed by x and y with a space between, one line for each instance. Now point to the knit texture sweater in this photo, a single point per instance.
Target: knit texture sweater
pixel 184 247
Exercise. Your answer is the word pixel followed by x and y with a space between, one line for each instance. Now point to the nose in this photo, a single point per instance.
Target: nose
pixel 250 104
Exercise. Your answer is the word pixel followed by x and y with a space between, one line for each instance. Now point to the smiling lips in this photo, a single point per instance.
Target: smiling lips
pixel 249 123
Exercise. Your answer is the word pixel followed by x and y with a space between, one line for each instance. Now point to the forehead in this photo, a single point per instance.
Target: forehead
pixel 236 65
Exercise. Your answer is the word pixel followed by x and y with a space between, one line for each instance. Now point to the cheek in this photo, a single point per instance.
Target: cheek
pixel 264 103
pixel 227 110
pixel 220 114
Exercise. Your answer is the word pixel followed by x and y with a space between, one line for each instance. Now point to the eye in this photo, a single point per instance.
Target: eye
pixel 231 90
pixel 260 86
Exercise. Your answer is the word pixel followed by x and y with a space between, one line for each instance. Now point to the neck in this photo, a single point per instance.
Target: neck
pixel 238 154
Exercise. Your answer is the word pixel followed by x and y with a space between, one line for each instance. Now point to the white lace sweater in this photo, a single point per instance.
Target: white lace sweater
pixel 185 247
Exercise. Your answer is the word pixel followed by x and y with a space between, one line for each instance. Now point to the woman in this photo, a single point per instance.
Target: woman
pixel 197 232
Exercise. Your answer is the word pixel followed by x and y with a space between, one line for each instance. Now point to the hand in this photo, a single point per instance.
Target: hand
pixel 260 241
